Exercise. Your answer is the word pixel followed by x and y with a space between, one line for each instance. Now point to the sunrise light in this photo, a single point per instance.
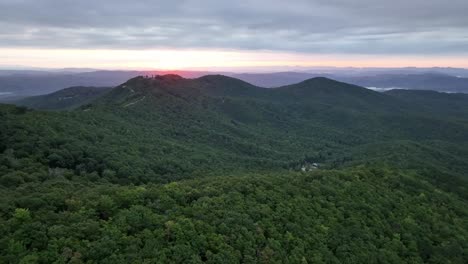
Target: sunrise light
pixel 208 59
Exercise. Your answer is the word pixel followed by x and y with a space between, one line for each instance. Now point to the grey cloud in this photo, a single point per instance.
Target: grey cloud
pixel 326 26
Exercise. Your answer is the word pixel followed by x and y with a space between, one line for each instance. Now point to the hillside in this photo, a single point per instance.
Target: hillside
pixel 214 169
pixel 224 122
pixel 19 84
pixel 68 98
pixel 380 79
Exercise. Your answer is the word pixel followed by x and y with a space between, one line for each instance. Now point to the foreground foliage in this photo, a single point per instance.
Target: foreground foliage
pixel 356 216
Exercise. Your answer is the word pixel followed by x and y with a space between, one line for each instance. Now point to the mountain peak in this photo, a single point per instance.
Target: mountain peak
pixel 215 78
pixel 158 78
pixel 319 79
pixel 168 77
pixel 324 84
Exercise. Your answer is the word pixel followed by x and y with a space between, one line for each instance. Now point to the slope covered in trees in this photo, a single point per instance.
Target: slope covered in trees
pixel 68 98
pixel 179 170
pixel 356 216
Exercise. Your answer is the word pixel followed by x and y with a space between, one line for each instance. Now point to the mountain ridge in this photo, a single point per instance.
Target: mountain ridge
pixel 68 98
pixel 23 83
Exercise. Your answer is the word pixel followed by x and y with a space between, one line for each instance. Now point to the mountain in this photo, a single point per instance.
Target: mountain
pixel 231 123
pixel 15 84
pixel 420 81
pixel 427 81
pixel 164 169
pixel 68 98
pixel 276 79
pixel 19 84
pixel 234 122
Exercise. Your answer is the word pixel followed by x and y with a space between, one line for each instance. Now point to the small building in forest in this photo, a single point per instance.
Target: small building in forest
pixel 309 166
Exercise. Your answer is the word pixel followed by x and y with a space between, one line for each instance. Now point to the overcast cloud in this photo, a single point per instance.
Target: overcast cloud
pixel 438 27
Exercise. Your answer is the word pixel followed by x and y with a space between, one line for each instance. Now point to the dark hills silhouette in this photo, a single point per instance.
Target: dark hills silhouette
pixel 18 84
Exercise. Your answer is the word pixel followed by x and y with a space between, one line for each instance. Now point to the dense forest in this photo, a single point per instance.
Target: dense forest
pixel 171 170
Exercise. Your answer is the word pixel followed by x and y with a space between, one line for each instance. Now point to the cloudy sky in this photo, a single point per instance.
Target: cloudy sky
pixel 241 33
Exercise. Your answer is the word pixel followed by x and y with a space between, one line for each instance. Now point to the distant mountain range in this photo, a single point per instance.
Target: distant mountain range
pixel 428 81
pixel 424 81
pixel 15 84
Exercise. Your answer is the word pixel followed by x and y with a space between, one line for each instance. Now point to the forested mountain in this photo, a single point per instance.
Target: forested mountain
pixel 19 84
pixel 67 98
pixel 216 170
pixel 382 80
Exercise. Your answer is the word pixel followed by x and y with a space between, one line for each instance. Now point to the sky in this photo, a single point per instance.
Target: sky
pixel 195 34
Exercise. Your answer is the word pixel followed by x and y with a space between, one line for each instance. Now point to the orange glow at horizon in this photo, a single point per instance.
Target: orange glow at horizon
pixel 172 59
